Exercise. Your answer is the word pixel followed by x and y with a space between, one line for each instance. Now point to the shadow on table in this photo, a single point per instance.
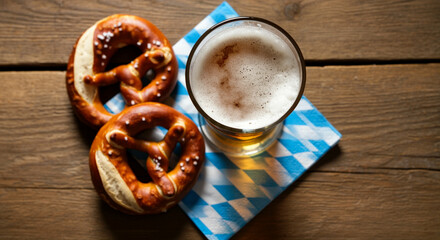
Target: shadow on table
pixel 328 157
pixel 87 134
pixel 168 225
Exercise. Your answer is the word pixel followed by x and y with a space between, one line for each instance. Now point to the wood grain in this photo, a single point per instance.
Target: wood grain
pixel 42 143
pixel 381 128
pixel 389 115
pixel 398 205
pixel 380 182
pixel 80 214
pixel 395 205
pixel 42 33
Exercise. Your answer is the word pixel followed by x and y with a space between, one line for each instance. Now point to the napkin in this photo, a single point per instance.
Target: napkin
pixel 232 191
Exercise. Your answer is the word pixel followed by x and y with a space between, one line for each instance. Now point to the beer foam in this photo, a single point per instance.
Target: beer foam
pixel 245 77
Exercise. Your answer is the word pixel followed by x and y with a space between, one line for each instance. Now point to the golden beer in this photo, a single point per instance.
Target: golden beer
pixel 245 75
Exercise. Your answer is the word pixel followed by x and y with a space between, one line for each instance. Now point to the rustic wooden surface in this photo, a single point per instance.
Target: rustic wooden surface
pixel 382 181
pixel 43 32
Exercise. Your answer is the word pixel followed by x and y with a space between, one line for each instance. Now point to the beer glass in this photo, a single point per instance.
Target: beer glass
pixel 239 67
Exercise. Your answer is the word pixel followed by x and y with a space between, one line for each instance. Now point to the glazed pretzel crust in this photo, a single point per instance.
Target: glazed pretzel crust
pixel 112 176
pixel 92 53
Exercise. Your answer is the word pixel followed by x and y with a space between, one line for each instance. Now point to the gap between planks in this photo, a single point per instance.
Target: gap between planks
pixel 309 63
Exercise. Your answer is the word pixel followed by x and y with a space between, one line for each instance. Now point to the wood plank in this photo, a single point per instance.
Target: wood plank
pixel 29 213
pixel 322 205
pixel 43 32
pixel 396 205
pixel 43 144
pixel 389 117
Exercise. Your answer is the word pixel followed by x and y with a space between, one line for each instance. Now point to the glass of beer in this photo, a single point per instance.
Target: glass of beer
pixel 244 75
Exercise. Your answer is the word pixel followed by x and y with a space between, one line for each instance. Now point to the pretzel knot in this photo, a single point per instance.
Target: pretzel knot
pixel 92 53
pixel 114 179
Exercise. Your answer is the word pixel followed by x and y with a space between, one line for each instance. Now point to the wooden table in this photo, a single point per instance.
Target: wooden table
pixel 373 69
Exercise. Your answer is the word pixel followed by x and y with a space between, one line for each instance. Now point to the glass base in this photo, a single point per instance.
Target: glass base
pixel 236 147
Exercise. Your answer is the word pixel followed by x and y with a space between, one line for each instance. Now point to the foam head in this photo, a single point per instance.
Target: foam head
pixel 245 77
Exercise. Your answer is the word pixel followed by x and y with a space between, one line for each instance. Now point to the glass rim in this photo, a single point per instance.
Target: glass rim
pixel 255 19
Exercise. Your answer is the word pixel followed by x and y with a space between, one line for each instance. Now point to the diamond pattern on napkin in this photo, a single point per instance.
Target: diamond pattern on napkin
pixel 231 191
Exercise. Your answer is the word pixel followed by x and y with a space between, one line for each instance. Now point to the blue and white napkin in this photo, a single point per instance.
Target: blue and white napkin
pixel 230 192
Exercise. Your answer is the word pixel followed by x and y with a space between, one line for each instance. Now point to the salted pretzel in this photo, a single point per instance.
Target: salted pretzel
pixel 112 176
pixel 92 53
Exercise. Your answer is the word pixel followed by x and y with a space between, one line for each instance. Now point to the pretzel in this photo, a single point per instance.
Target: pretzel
pixel 112 176
pixel 92 53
